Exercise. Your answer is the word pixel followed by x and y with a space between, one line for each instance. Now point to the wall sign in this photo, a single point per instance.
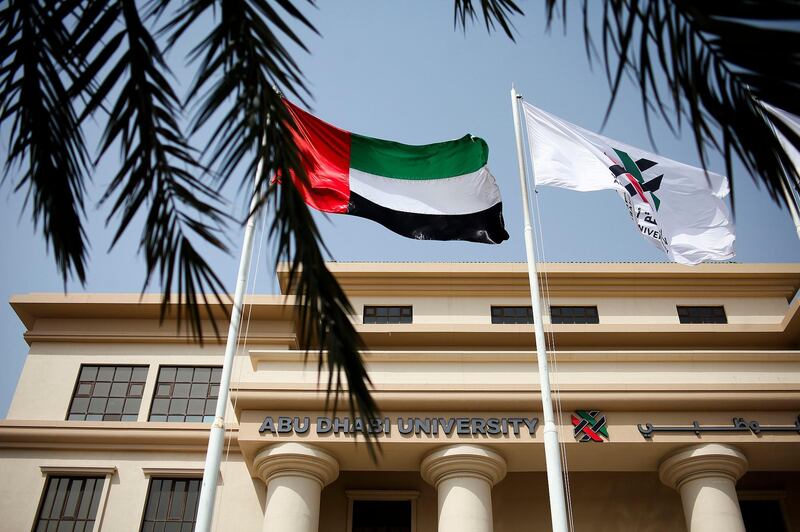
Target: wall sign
pixel 589 425
pixel 738 424
pixel 414 426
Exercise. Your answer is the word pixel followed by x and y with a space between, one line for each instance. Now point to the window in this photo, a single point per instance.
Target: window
pixel 762 514
pixel 171 505
pixel 108 393
pixel 381 510
pixel 380 314
pixel 574 315
pixel 512 315
pixel 381 516
pixel 69 503
pixel 186 394
pixel 702 315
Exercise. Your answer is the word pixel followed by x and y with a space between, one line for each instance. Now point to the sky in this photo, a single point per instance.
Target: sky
pixel 400 71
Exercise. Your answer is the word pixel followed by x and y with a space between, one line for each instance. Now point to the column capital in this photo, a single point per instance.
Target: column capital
pixel 463 461
pixel 701 461
pixel 296 460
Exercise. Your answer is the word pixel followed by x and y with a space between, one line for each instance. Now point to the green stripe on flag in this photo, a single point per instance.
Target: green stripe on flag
pixel 431 161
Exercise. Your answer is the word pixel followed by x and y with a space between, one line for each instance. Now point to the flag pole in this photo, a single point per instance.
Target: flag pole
pixel 792 205
pixel 216 439
pixel 555 479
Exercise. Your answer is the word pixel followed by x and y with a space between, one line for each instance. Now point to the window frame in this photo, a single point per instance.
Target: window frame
pixel 688 307
pixel 130 382
pixel 401 308
pixel 526 307
pixel 171 474
pixel 585 307
pixel 105 473
pixel 154 395
pixel 381 495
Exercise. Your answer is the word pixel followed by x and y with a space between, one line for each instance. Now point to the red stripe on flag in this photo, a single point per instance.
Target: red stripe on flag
pixel 325 154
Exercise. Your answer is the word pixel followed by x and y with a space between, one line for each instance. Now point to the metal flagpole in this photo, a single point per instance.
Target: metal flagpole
pixel 555 479
pixel 790 202
pixel 208 489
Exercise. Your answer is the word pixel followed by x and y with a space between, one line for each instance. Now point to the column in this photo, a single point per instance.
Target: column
pixel 295 474
pixel 463 476
pixel 706 475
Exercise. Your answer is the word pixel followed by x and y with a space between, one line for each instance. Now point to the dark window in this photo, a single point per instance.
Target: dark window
pixel 108 393
pixel 171 505
pixel 69 503
pixel 702 315
pixel 762 515
pixel 186 394
pixel 375 314
pixel 574 315
pixel 512 315
pixel 381 516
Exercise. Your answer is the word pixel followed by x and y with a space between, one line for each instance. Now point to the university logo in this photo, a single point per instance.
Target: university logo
pixel 633 172
pixel 589 425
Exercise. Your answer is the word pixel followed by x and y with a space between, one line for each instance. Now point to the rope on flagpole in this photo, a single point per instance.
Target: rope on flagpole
pixel 242 343
pixel 555 480
pixel 553 359
pixel 550 338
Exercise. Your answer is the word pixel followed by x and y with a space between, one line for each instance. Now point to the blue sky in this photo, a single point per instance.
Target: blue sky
pixel 399 70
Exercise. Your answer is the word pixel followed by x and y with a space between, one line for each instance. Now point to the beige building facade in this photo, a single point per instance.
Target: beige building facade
pixel 678 391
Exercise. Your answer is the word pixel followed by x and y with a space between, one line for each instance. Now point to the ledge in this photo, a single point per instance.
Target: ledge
pixel 564 279
pixel 430 356
pixel 83 435
pixel 606 397
pixel 78 470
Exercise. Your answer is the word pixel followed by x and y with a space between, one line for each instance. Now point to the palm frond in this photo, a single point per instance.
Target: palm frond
pixel 159 176
pixel 717 60
pixel 240 63
pixel 493 12
pixel 46 143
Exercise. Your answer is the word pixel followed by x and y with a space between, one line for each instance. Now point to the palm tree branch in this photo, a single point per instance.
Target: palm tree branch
pixel 45 139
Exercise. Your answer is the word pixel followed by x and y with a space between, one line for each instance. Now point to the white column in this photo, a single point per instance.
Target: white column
pixel 706 475
pixel 295 474
pixel 463 476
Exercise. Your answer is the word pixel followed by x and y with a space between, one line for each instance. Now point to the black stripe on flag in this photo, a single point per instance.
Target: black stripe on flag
pixel 486 226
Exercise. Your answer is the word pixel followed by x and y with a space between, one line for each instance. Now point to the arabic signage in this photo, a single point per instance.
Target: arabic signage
pixel 738 424
pixel 407 426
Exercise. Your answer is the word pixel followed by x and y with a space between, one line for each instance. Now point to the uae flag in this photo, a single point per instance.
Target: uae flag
pixel 441 191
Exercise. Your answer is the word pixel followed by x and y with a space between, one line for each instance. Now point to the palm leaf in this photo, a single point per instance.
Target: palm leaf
pixel 159 175
pixel 703 63
pixel 717 61
pixel 46 143
pixel 241 63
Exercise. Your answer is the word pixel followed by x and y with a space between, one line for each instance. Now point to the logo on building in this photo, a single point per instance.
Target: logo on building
pixel 590 425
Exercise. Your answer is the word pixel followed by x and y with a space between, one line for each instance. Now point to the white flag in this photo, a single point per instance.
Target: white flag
pixel 677 207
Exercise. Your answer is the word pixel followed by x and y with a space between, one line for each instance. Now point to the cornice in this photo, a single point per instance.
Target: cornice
pixel 429 356
pixel 464 397
pixel 30 307
pixel 154 338
pixel 564 279
pixel 129 436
